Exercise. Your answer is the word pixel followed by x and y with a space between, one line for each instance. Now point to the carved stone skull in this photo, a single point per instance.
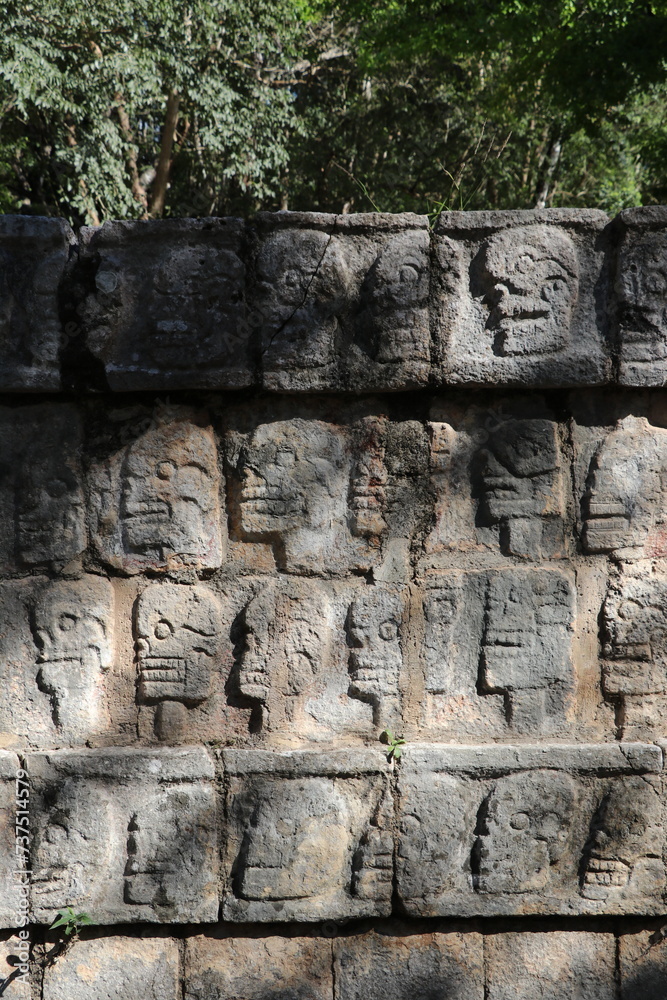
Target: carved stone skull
pixel 179 640
pixel 533 279
pixel 523 830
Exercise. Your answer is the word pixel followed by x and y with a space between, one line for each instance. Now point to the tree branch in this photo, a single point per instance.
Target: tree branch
pixel 161 182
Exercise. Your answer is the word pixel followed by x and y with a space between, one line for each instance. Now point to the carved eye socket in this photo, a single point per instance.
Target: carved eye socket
pixel 524 264
pixel 165 470
pixel 163 629
pixel 285 458
pixel 520 821
pixel 56 488
pixel 388 631
pixel 67 622
pixel 409 274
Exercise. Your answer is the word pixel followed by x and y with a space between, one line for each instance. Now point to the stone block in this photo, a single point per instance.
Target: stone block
pixel 624 499
pixel 167 308
pixel 295 663
pixel 519 297
pixel 341 302
pixel 643 965
pixel 120 967
pixel 126 835
pixel 431 966
pixel 33 256
pixel 156 501
pixel 302 487
pixel 309 836
pixel 500 482
pixel 258 967
pixel 553 965
pixel 496 651
pixel 549 830
pixel 640 286
pixel 41 487
pixel 56 652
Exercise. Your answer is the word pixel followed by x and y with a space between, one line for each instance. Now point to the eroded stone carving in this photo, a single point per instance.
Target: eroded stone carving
pixel 624 851
pixel 304 842
pixel 124 834
pixel 531 276
pixel 374 626
pixel 517 297
pixel 624 500
pixel 525 654
pixel 295 479
pixel 524 829
pixel 158 505
pixel 520 472
pixel 641 287
pixel 73 629
pixel 634 635
pixel 33 256
pixel 304 284
pixel 41 487
pixel 443 603
pixel 288 640
pixel 168 307
pixel 394 321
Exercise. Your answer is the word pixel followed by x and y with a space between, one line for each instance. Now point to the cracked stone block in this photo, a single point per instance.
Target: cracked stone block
pixel 341 302
pixel 167 307
pixel 301 487
pixel 293 665
pixel 518 297
pixel 14 828
pixel 641 289
pixel 127 835
pixel 643 965
pixel 226 968
pixel 433 966
pixel 309 836
pixel 33 255
pixel 624 499
pixel 41 487
pixel 552 965
pixel 119 967
pixel 56 651
pixel 559 829
pixel 156 502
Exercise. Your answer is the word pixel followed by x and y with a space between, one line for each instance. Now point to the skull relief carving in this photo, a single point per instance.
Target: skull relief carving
pixel 179 642
pixel 523 832
pixel 532 279
pixel 521 486
pixel 169 501
pixel 374 627
pixel 624 495
pixel 73 629
pixel 297 842
pixel 642 296
pixel 626 829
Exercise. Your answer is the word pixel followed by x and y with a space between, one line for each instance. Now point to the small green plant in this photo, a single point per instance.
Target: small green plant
pixel 70 921
pixel 394 744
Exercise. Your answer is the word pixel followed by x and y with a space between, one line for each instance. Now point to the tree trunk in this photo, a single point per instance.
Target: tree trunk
pixel 161 182
pixel 551 162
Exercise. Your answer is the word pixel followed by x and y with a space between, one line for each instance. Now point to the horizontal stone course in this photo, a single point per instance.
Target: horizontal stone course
pixel 304 302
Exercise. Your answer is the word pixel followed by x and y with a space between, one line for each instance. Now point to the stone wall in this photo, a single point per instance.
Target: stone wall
pixel 270 489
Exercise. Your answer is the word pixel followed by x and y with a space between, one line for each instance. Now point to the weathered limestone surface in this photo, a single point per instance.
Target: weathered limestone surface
pixel 119 967
pixel 293 483
pixel 225 968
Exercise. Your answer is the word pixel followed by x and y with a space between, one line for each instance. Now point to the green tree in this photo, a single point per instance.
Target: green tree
pixel 113 108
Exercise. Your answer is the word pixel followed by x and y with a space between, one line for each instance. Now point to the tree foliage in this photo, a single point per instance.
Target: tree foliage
pixel 195 107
